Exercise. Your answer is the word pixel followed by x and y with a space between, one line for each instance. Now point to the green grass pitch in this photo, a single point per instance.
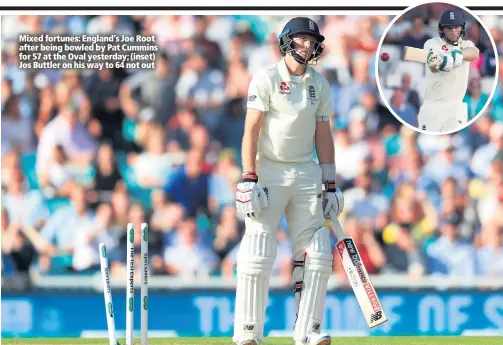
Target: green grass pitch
pixel 275 341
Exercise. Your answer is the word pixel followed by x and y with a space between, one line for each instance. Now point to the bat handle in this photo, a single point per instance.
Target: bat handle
pixel 337 226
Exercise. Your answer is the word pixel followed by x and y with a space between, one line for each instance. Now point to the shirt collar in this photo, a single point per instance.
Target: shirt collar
pixel 285 75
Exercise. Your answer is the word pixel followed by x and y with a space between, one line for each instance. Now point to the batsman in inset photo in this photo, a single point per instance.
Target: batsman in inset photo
pixel 448 59
pixel 429 56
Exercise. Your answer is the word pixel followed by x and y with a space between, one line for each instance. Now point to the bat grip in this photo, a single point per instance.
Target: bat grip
pixel 337 226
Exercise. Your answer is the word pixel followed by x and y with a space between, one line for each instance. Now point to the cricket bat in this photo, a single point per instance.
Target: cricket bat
pixel 415 54
pixel 358 277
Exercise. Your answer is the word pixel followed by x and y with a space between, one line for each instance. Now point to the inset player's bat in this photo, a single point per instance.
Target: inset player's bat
pixel 415 54
pixel 358 277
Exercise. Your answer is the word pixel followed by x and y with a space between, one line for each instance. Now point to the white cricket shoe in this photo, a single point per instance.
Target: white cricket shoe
pixel 248 342
pixel 318 339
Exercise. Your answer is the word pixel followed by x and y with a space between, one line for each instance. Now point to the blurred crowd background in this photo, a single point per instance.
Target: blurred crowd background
pixel 404 83
pixel 86 152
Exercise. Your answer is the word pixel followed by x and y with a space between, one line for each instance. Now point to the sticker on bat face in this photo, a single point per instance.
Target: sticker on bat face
pixel 376 317
pixel 353 277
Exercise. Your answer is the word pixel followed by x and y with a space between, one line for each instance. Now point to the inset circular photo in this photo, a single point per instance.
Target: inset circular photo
pixel 437 67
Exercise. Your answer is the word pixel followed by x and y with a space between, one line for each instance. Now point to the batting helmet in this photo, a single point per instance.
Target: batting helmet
pixel 297 26
pixel 451 17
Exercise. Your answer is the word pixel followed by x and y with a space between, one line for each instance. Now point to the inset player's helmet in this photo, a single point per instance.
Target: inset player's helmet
pixel 451 17
pixel 297 26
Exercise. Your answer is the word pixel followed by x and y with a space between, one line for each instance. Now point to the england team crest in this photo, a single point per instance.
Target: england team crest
pixel 312 94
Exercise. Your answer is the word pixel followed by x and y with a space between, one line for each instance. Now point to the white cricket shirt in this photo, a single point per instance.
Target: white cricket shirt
pixel 447 86
pixel 291 106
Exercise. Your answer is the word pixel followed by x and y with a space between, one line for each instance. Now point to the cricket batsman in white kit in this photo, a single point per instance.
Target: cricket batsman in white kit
pixel 449 63
pixel 288 117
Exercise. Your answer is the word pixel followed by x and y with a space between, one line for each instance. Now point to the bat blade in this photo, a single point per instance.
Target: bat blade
pixel 360 282
pixel 415 54
pixel 358 277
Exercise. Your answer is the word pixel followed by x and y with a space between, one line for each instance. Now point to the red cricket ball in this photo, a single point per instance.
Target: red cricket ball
pixel 384 56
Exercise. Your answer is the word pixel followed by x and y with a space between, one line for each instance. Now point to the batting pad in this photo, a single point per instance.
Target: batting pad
pixel 254 264
pixel 317 270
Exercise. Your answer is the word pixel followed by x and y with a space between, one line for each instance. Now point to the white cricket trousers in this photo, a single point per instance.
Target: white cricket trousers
pixel 435 116
pixel 295 190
